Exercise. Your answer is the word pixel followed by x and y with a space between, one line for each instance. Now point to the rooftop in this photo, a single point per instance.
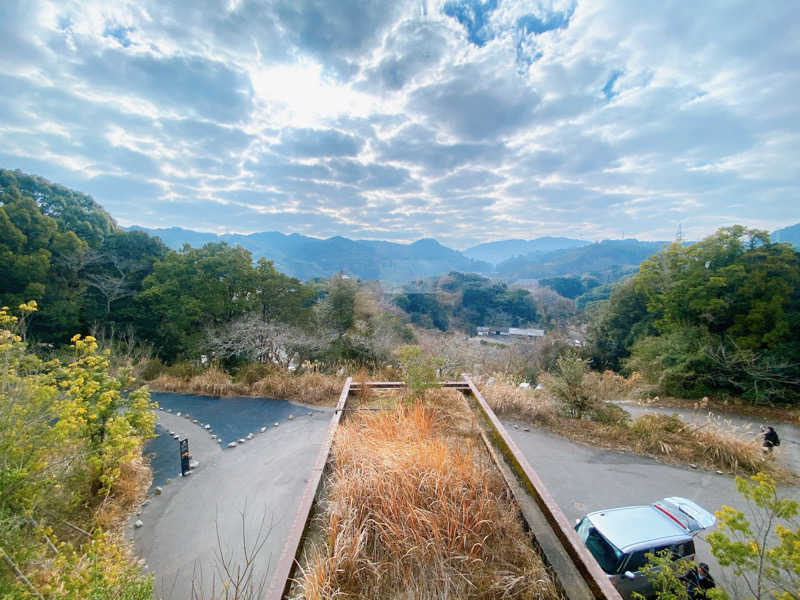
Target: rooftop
pixel 632 527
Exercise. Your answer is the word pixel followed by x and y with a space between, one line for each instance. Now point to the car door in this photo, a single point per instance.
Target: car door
pixel 632 578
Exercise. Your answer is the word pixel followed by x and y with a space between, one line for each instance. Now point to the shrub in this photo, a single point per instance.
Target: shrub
pixel 183 370
pixel 566 384
pixel 250 373
pixel 151 369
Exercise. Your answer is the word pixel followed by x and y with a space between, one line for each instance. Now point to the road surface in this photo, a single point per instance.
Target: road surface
pixel 264 477
pixel 583 479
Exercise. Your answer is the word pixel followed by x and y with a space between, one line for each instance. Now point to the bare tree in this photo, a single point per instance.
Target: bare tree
pixel 253 338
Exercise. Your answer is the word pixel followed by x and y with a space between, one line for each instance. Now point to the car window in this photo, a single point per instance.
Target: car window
pixel 638 560
pixel 606 555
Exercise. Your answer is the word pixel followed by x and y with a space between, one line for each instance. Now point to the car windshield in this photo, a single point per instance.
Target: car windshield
pixel 604 552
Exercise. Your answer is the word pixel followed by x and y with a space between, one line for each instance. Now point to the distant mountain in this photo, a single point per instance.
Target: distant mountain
pixel 308 257
pixel 497 252
pixel 607 260
pixel 788 234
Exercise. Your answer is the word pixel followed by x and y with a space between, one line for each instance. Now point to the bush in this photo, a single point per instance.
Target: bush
pixel 250 373
pixel 566 384
pixel 183 370
pixel 151 369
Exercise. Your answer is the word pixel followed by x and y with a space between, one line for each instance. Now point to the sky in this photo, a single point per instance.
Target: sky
pixel 465 120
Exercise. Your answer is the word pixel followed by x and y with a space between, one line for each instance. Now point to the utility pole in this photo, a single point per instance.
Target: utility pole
pixel 679 233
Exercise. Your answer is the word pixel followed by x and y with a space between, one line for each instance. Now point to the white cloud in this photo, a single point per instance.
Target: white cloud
pixel 464 120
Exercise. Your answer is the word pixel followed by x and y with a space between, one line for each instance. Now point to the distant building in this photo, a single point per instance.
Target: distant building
pixel 528 333
pixel 511 331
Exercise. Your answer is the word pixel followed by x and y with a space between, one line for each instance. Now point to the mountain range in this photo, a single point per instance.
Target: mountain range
pixel 308 257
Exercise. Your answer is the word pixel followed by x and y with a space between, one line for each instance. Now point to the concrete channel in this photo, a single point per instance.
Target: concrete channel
pixel 574 568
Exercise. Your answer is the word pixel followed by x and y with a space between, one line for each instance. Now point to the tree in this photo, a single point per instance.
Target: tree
pixel 336 310
pixel 193 289
pixel 767 566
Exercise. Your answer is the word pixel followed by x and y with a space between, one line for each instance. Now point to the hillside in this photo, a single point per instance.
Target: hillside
pixel 308 257
pixel 500 251
pixel 607 260
pixel 788 234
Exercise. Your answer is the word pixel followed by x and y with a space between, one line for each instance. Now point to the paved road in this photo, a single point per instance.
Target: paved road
pixel 264 477
pixel 584 479
pixel 788 453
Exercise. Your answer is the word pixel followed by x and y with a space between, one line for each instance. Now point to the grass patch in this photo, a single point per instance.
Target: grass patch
pixel 715 444
pixel 309 387
pixel 415 509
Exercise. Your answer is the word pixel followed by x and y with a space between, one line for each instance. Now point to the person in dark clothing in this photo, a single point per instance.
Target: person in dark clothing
pixel 771 439
pixel 698 582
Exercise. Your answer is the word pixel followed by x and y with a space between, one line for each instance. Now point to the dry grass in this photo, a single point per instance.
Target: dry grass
pixel 309 388
pixel 715 444
pixel 417 511
pixel 507 399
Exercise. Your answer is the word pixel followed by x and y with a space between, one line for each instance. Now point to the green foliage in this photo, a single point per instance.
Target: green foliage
pixel 336 310
pixel 466 301
pixel 665 575
pixel 567 384
pixel 765 566
pixel 715 315
pixel 570 286
pixel 419 370
pixel 67 428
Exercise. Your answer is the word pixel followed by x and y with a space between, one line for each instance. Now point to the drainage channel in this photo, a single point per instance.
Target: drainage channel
pixel 575 569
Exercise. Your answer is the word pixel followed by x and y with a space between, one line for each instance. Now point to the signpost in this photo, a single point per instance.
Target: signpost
pixel 184 450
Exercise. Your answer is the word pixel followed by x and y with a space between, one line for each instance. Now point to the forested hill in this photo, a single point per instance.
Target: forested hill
pixel 789 234
pixel 607 260
pixel 309 257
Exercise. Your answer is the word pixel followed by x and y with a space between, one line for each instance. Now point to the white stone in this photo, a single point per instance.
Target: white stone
pixel 242 440
pixel 310 414
pixel 539 386
pixel 207 426
pixel 138 523
pixel 490 381
pixel 290 417
pixel 263 429
pixel 232 445
pixel 275 424
pixel 524 385
pixel 526 428
pixel 178 414
pixel 213 436
pixel 250 436
pixel 193 464
pixel 194 420
pixel 158 490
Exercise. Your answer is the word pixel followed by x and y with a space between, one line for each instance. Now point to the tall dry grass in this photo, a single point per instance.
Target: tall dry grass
pixel 715 444
pixel 309 388
pixel 507 399
pixel 415 512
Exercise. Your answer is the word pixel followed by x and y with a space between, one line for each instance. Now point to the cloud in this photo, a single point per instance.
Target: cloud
pixel 309 143
pixel 476 105
pixel 463 119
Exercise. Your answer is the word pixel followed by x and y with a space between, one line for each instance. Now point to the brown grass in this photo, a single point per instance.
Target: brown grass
pixel 309 388
pixel 416 511
pixel 715 444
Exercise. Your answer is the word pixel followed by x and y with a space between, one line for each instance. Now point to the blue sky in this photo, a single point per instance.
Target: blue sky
pixel 464 120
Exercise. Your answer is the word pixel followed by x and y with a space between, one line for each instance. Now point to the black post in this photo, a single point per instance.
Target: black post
pixel 184 450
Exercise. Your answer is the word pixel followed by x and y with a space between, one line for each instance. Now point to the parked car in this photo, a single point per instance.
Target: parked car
pixel 620 538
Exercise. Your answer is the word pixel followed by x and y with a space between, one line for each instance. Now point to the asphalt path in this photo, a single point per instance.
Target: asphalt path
pixel 583 479
pixel 263 478
pixel 788 453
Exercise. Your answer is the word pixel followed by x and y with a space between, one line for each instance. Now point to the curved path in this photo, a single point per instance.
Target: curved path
pixel 263 478
pixel 583 479
pixel 788 453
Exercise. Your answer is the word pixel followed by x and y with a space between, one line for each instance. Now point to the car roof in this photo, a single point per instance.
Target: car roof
pixel 635 527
